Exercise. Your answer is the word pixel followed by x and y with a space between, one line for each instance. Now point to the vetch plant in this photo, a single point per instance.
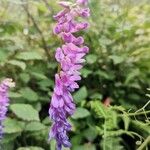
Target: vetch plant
pixel 4 101
pixel 70 58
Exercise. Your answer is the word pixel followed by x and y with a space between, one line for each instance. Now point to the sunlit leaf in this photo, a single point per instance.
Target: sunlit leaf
pixel 25 112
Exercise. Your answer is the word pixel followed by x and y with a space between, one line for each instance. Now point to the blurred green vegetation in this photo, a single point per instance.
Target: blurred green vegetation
pixel 117 72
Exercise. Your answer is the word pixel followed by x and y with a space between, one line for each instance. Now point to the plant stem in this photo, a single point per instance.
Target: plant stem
pixel 139 113
pixel 135 114
pixel 147 140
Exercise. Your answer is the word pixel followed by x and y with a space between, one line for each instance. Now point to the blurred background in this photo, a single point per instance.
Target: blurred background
pixel 113 99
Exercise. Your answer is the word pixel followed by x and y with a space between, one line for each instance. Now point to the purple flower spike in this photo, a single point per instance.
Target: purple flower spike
pixel 4 101
pixel 70 57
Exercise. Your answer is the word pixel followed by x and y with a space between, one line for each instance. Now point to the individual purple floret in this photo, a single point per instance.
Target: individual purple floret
pixel 4 101
pixel 70 57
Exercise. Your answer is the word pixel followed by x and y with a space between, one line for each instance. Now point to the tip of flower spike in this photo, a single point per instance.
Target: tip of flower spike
pixel 8 82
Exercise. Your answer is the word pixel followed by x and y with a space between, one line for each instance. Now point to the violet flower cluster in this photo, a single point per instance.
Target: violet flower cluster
pixel 70 57
pixel 4 101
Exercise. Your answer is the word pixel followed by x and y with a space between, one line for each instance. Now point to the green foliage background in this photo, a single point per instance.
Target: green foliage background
pixel 117 70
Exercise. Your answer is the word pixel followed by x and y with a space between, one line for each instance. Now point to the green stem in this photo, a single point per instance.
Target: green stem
pixel 139 113
pixel 144 143
pixel 59 68
pixel 136 114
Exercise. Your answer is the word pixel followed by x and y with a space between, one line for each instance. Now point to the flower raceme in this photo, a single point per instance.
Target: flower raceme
pixel 70 57
pixel 4 100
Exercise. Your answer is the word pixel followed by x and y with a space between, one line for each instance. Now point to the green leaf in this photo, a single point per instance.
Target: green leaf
pixel 41 8
pixel 10 137
pixel 46 121
pixel 14 95
pixel 3 55
pixel 148 95
pixel 81 94
pixel 90 133
pixel 52 144
pixel 140 51
pixel 111 121
pixel 12 126
pixel 85 72
pixel 100 110
pixel 88 146
pixel 35 126
pixel 117 59
pixel 109 142
pixel 132 75
pixel 141 127
pixel 126 121
pixel 91 58
pixel 24 77
pixel 118 133
pixel 65 148
pixel 38 75
pixel 25 112
pixel 46 83
pixel 96 96
pixel 104 74
pixel 81 113
pixel 29 94
pixel 30 148
pixel 30 55
pixel 17 63
pixel 76 139
pixel 7 146
pixel 119 108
